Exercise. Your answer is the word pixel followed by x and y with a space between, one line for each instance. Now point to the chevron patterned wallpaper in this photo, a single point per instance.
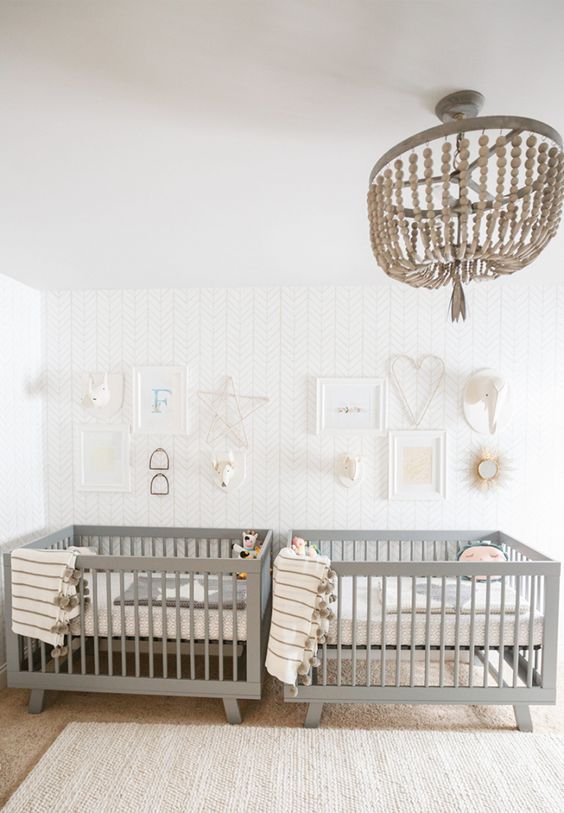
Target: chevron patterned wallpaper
pixel 22 508
pixel 275 341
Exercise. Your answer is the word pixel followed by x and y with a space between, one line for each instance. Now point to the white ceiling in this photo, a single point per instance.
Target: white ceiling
pixel 161 143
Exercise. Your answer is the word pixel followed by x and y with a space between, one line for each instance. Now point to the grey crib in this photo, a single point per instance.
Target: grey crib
pixel 125 641
pixel 414 625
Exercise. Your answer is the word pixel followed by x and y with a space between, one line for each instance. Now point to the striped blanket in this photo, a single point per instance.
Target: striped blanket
pixel 44 594
pixel 303 589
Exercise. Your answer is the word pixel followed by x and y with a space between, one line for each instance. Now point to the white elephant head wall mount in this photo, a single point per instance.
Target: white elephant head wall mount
pixel 485 401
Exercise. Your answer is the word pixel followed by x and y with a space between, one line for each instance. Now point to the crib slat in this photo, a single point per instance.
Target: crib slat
pixel 94 580
pixel 122 619
pixel 442 634
pixel 530 653
pixel 192 630
pixel 457 634
pixel 501 635
pixel 109 631
pixel 516 630
pixel 471 650
pixel 150 623
pixel 427 631
pixel 220 622
pixel 82 633
pixel 398 626
pixel 207 627
pixel 353 633
pixel 234 609
pixel 368 630
pixel 383 632
pixel 177 607
pixel 486 663
pixel 164 618
pixel 30 656
pixel 136 622
pixel 44 657
pixel 339 631
pixel 413 620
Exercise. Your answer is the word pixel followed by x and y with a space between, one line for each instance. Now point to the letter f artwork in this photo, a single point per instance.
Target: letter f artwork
pixel 159 399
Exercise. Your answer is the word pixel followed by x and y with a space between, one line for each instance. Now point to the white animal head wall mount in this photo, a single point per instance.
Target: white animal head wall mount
pixel 350 470
pixel 228 470
pixel 485 401
pixel 102 393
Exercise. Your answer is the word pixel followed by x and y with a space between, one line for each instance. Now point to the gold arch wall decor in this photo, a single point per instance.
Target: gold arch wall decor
pixel 475 198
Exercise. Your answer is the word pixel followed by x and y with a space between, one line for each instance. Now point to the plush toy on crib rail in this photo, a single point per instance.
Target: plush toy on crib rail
pixel 303 548
pixel 482 551
pixel 250 549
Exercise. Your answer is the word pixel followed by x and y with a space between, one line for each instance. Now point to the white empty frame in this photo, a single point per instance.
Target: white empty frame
pixel 104 459
pixel 417 465
pixel 351 405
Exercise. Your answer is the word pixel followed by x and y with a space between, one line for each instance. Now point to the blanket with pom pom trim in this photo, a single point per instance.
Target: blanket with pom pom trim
pixel 44 593
pixel 302 592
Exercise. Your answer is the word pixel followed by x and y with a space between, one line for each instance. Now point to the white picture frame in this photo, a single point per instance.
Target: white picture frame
pixel 365 397
pixel 104 457
pixel 160 400
pixel 417 465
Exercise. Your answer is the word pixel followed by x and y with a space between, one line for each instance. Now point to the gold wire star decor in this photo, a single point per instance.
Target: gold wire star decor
pixel 230 410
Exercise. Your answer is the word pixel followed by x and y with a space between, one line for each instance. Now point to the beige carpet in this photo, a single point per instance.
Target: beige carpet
pixel 24 738
pixel 144 768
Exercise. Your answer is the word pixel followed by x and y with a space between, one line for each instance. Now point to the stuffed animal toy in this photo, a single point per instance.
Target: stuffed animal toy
pixel 483 551
pixel 303 548
pixel 250 549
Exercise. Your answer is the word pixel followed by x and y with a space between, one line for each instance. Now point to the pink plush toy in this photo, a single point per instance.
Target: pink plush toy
pixel 484 551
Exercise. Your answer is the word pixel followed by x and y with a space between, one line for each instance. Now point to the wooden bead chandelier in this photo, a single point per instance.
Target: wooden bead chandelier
pixel 471 199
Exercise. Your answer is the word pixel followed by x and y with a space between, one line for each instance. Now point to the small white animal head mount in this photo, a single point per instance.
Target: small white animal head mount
pixel 485 401
pixel 99 394
pixel 350 470
pixel 102 393
pixel 224 469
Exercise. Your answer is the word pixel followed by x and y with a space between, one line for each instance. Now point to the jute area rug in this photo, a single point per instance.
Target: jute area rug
pixel 115 767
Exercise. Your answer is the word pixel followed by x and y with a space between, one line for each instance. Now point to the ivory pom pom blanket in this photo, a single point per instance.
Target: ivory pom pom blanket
pixel 303 589
pixel 44 593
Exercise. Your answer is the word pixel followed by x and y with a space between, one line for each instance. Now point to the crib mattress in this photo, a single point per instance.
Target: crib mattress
pixel 416 628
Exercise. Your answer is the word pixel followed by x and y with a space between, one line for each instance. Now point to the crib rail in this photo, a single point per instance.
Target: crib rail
pixel 166 613
pixel 413 624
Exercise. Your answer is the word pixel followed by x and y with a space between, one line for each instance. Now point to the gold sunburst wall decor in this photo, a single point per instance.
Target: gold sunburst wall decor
pixel 489 469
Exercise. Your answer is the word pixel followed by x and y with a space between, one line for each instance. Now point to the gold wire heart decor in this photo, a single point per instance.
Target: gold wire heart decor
pixel 435 369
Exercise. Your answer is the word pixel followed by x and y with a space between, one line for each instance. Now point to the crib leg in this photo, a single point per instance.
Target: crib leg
pixel 313 716
pixel 36 701
pixel 232 710
pixel 523 718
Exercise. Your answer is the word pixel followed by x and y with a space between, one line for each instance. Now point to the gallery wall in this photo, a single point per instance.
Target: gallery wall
pixel 275 342
pixel 22 504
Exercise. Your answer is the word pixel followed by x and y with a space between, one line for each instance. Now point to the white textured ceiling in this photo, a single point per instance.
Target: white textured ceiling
pixel 165 144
